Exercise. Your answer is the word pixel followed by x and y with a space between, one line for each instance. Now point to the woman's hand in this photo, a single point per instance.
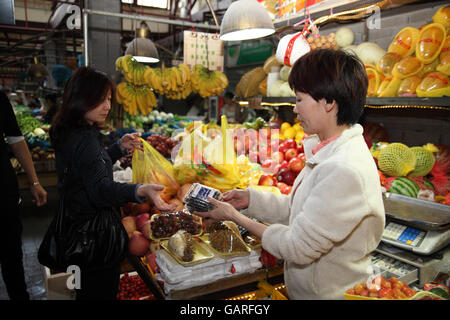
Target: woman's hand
pixel 131 141
pixel 151 191
pixel 39 195
pixel 239 199
pixel 222 211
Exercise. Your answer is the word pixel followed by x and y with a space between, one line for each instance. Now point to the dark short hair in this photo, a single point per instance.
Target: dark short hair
pixel 84 91
pixel 332 75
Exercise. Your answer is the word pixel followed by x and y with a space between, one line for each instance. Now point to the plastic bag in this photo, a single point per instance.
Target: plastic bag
pixel 209 160
pixel 149 166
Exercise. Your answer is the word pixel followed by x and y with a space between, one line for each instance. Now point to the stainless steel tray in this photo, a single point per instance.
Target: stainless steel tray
pixel 423 214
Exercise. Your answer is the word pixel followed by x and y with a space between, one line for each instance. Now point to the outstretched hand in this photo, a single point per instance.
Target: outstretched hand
pixel 222 211
pixel 151 191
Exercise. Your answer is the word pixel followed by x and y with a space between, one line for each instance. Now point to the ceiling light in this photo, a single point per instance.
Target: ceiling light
pixel 245 20
pixel 141 48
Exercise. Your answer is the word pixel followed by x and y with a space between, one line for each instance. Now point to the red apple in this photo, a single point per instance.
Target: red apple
pixel 269 166
pixel 287 176
pixel 141 219
pixel 297 164
pixel 286 190
pixel 267 180
pixel 290 143
pixel 283 147
pixel 281 185
pixel 291 153
pixel 300 147
pixel 278 156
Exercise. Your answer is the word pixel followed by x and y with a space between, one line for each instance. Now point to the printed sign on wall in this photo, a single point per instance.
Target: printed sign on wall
pixel 203 48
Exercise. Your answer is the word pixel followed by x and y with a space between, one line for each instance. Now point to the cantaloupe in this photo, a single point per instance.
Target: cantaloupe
pixel 424 162
pixel 396 160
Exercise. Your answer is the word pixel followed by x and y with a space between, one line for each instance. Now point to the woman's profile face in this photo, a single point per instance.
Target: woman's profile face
pixel 309 113
pixel 100 112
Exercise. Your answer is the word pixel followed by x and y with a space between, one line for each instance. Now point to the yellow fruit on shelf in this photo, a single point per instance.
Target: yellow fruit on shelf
pixel 299 136
pixel 389 87
pixel 249 83
pixel 424 161
pixel 408 85
pixel 405 42
pixel 297 127
pixel 434 84
pixel 284 126
pixel 387 62
pixel 374 81
pixel 289 133
pixel 431 41
pixel 396 160
pixel 406 67
pixel 444 66
pixel 442 16
pixel 445 51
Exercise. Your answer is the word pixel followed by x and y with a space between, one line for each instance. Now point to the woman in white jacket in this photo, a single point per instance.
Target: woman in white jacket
pixel 326 229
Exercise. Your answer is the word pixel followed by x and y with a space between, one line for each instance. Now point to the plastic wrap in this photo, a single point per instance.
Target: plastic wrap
pixel 387 62
pixel 225 239
pixel 408 66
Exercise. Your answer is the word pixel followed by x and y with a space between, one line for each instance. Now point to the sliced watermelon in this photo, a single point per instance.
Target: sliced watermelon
pixel 404 186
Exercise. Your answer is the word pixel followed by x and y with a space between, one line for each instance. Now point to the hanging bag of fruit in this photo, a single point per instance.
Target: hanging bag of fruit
pixel 150 166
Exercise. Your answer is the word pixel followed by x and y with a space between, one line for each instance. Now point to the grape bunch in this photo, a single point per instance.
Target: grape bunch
pixel 162 144
pixel 133 288
pixel 167 224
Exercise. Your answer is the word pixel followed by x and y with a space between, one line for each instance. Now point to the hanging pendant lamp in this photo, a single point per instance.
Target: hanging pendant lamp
pixel 245 20
pixel 142 48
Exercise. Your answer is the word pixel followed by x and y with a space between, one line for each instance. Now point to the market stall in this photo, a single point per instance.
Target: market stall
pixel 175 255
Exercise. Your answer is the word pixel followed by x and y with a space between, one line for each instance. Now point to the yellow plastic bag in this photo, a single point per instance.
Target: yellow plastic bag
pixel 150 166
pixel 208 160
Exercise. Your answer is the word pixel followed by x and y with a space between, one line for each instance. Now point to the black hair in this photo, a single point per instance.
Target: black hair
pixel 332 75
pixel 84 91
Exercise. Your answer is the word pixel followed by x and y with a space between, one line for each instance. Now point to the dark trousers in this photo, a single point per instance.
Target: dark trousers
pixel 11 254
pixel 101 284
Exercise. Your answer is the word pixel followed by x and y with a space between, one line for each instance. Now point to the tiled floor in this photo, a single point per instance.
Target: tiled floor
pixel 35 224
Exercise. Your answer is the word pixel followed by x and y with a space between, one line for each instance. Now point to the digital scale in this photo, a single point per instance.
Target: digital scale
pixel 420 226
pixel 415 242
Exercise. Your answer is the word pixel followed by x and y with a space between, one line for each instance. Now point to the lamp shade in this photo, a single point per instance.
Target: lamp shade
pixel 143 50
pixel 245 20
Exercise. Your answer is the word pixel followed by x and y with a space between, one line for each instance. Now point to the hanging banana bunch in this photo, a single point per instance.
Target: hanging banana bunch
pixel 207 83
pixel 132 70
pixel 134 94
pixel 174 82
pixel 134 98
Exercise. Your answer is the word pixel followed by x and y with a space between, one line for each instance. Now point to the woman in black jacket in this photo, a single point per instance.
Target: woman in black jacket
pixel 77 142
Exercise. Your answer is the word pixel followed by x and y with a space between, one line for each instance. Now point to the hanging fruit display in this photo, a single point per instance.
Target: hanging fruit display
pixel 173 82
pixel 134 94
pixel 207 83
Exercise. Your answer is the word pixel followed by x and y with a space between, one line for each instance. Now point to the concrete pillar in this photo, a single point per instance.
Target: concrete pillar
pixel 104 36
pixel 55 53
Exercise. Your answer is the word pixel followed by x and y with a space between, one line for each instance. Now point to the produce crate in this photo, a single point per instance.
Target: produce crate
pixel 56 285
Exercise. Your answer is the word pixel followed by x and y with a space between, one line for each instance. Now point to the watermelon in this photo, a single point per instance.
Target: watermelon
pixel 404 186
pixel 423 183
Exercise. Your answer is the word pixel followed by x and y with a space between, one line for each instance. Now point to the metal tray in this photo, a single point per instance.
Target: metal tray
pixel 224 255
pixel 423 214
pixel 201 253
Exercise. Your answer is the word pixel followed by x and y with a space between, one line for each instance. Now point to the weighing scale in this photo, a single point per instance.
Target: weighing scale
pixel 414 246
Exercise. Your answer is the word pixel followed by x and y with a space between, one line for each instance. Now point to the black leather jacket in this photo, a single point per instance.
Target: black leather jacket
pixel 90 178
